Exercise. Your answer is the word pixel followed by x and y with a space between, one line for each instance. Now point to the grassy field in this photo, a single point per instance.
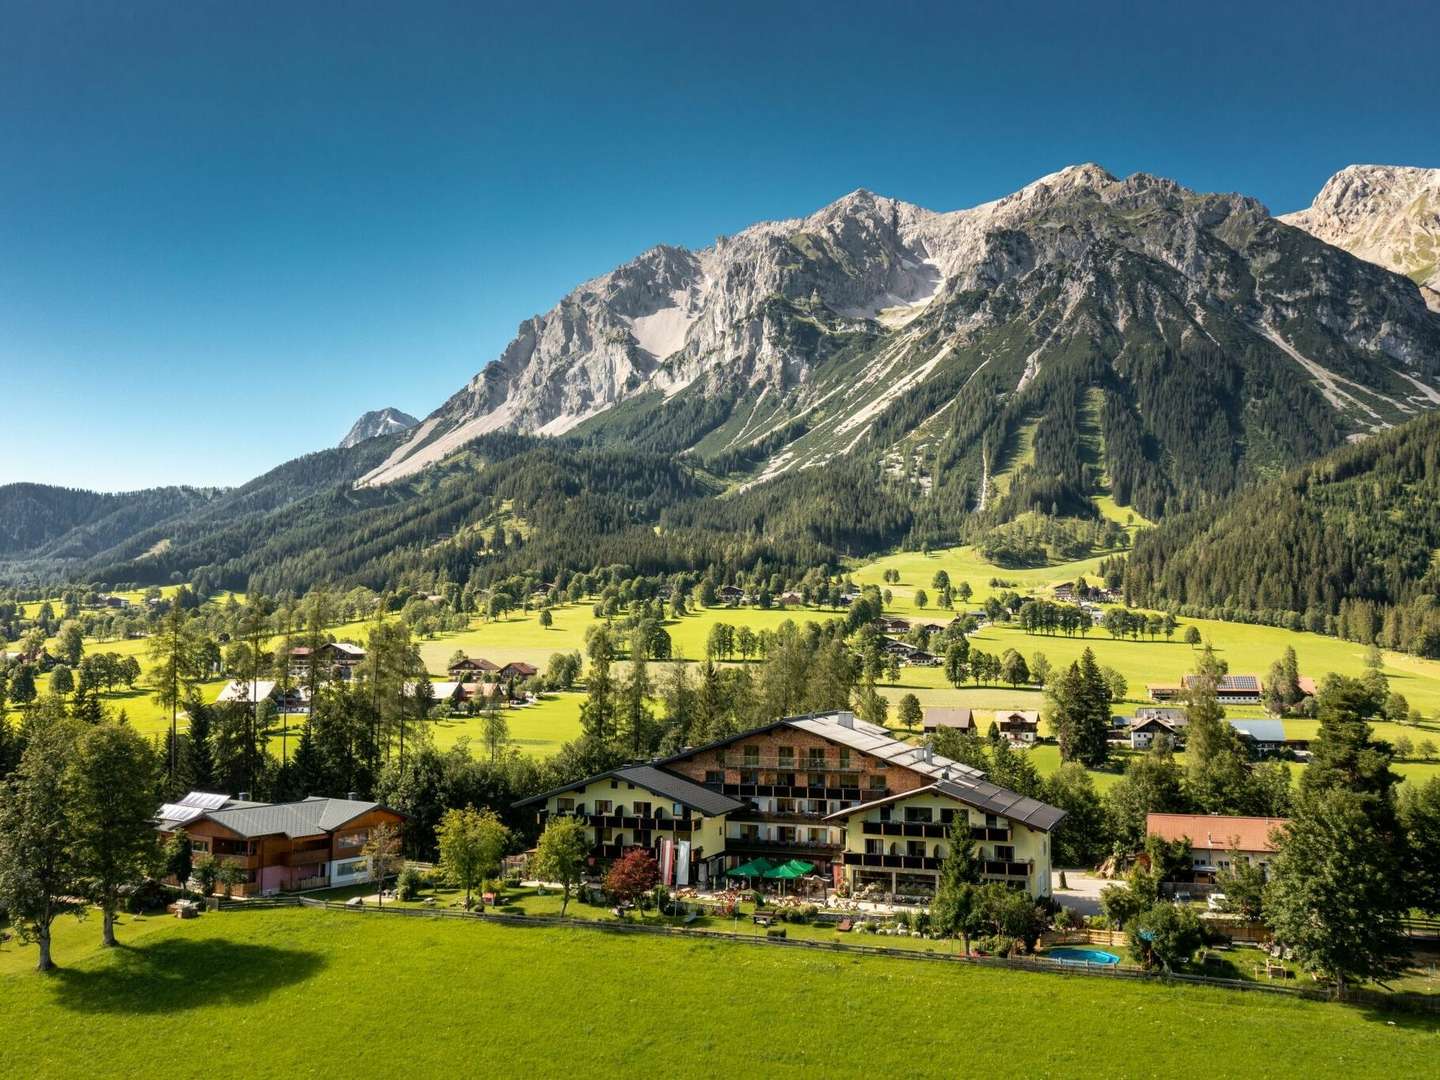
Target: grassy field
pixel 291 992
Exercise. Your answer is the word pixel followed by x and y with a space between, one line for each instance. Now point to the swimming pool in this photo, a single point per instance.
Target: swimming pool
pixel 1082 956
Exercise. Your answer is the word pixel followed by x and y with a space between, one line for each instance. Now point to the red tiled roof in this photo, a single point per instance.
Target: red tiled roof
pixel 1215 832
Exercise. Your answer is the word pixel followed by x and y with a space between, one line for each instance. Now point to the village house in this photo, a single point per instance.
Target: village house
pixel 1230 690
pixel 779 792
pixel 1019 727
pixel 518 669
pixel 936 719
pixel 308 844
pixel 1216 839
pixel 1150 722
pixel 472 666
pixel 254 691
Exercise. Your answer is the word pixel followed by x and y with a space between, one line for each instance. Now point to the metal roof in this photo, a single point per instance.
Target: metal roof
pixel 1271 731
pixel 239 690
pixel 660 782
pixel 308 817
pixel 848 730
pixel 982 795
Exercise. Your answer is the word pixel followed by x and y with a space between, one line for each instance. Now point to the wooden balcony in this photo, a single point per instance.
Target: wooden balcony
pixel 915 829
pixel 1000 869
pixel 785 791
pixel 312 857
pixel 643 824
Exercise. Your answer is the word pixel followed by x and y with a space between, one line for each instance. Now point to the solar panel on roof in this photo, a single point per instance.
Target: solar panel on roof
pixel 1240 682
pixel 205 800
pixel 178 813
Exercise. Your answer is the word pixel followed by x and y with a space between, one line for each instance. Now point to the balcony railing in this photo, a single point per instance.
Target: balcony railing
pixel 747 843
pixel 645 824
pixel 891 862
pixel 786 791
pixel 929 829
pixel 1004 869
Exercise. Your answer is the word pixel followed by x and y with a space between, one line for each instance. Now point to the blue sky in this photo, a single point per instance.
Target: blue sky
pixel 227 229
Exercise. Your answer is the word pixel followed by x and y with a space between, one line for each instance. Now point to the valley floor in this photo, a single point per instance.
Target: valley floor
pixel 276 994
pixel 540 729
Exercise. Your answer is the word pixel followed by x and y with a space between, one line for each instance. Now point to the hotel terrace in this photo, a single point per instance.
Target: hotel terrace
pixel 827 789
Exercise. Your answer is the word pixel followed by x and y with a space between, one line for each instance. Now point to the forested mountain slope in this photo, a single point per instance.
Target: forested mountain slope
pixel 40 521
pixel 1349 544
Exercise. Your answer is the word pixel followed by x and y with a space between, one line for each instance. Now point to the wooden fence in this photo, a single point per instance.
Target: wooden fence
pixel 1371 998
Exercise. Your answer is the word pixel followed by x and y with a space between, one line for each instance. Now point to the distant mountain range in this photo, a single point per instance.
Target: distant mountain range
pixel 372 425
pixel 1085 335
pixel 875 325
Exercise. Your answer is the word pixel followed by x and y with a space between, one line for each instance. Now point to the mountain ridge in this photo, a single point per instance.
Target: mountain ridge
pixel 377 422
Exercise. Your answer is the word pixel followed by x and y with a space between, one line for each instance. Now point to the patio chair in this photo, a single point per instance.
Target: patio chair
pixel 845 926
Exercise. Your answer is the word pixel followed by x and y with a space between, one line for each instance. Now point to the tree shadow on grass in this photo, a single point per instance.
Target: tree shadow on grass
pixel 178 974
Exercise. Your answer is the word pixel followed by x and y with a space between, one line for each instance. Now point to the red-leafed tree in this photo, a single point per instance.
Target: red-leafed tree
pixel 632 874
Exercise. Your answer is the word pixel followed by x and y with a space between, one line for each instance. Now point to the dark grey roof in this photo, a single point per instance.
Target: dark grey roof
pixel 308 817
pixel 661 782
pixel 982 795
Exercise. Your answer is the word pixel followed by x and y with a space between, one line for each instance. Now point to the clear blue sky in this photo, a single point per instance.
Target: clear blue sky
pixel 226 229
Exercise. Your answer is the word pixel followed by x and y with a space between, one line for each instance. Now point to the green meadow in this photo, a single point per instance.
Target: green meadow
pixel 540 728
pixel 293 992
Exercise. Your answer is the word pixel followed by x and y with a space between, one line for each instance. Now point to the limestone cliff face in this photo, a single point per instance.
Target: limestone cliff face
pixel 1387 214
pixel 801 339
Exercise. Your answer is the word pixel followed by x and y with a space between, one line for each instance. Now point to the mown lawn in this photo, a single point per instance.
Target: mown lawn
pixel 289 993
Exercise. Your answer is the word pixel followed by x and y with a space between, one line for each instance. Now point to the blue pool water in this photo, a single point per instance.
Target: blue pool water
pixel 1069 955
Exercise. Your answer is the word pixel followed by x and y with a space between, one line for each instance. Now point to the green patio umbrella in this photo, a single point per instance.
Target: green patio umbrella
pixel 753 868
pixel 789 871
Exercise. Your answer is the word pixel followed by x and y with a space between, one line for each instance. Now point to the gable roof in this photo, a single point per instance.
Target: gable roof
pixel 1024 716
pixel 949 718
pixel 653 779
pixel 239 690
pixel 308 817
pixel 981 794
pixel 1216 832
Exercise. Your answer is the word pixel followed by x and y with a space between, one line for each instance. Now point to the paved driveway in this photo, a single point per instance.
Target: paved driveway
pixel 1082 892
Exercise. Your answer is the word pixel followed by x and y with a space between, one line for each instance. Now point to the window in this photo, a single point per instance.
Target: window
pixel 819 836
pixel 749 776
pixel 352 840
pixel 884 813
pixel 815 779
pixel 721 758
pixel 1005 852
pixel 199 844
pixel 642 809
pixel 915 848
pixel 947 817
pixel 714 776
pixel 351 868
pixel 676 810
pixel 918 814
pixel 844 757
pixel 874 847
pixel 877 783
pixel 815 758
pixel 752 756
pixel 785 806
pixel 787 757
pixel 564 806
pixel 603 806
pixel 785 779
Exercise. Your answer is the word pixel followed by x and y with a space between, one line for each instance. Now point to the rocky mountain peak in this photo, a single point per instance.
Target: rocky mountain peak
pixel 386 421
pixel 1386 214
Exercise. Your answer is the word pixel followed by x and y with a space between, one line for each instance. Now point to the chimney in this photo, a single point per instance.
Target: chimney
pixel 845 719
pixel 244 796
pixel 353 796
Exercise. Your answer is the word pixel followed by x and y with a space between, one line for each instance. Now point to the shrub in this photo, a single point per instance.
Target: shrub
pixel 869 928
pixel 775 931
pixel 408 883
pixel 922 922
